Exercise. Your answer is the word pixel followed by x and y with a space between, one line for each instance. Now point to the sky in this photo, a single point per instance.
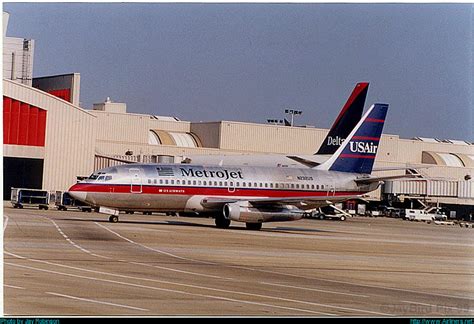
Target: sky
pixel 251 61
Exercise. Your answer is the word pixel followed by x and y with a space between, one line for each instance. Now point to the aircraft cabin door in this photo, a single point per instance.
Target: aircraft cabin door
pixel 331 190
pixel 231 186
pixel 135 180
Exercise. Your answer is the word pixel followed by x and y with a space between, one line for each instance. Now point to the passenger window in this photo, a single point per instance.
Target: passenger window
pixel 161 181
pixel 243 184
pixel 220 183
pixel 199 182
pixel 178 181
pixel 276 185
pixel 166 181
pixel 172 181
pixel 149 181
pixel 194 182
pixel 204 183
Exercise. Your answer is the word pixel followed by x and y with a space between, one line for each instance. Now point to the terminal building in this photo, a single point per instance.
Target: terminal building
pixel 49 140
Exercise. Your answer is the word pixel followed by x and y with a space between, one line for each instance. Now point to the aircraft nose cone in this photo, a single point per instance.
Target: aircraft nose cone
pixel 76 193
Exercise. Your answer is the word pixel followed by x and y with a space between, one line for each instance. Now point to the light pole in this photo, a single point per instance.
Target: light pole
pixel 293 112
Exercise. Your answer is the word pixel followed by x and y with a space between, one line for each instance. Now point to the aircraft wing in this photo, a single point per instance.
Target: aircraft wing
pixel 303 203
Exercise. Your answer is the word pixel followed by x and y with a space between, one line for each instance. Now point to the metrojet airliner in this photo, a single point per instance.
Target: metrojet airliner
pixel 345 122
pixel 241 193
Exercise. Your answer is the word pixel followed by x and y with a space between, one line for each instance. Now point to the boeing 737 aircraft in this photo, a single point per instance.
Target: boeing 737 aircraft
pixel 241 193
pixel 345 122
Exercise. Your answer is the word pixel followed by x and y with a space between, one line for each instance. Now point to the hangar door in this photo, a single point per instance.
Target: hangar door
pixel 21 173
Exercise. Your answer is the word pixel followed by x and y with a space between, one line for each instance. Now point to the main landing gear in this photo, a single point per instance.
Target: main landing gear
pixel 113 219
pixel 222 222
pixel 254 226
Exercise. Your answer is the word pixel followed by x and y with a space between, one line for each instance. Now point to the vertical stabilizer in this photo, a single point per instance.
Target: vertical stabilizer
pixel 357 153
pixel 347 119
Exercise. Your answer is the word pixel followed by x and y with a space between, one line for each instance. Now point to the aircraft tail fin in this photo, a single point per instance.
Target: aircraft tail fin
pixel 357 153
pixel 347 119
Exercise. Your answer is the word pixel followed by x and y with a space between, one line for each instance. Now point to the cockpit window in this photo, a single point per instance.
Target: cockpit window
pixel 107 178
pixel 101 178
pixel 93 176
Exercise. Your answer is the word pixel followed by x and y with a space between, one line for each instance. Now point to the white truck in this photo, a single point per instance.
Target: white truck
pixel 427 214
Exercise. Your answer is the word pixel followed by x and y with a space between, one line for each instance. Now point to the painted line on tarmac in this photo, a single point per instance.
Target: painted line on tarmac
pixel 152 249
pixel 5 222
pixel 274 272
pixel 15 287
pixel 179 271
pixel 314 289
pixel 131 262
pixel 439 307
pixel 356 284
pixel 77 246
pixel 162 289
pixel 97 301
pixel 175 283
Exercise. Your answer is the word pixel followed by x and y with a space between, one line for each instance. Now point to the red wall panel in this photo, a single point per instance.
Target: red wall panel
pixel 62 93
pixel 23 124
pixel 7 107
pixel 41 130
pixel 24 121
pixel 15 122
pixel 33 125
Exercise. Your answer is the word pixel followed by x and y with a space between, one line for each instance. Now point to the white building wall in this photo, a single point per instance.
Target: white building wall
pixel 70 136
pixel 18 59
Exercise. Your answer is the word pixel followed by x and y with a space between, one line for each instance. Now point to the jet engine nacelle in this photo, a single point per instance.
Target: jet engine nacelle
pixel 239 213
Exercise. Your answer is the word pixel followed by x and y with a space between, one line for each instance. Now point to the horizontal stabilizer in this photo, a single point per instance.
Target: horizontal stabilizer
pixel 378 179
pixel 303 161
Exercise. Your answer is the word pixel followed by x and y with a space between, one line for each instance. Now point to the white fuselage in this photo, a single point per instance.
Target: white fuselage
pixel 182 187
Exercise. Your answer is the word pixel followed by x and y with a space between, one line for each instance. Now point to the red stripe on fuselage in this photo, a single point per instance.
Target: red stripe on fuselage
pixel 203 191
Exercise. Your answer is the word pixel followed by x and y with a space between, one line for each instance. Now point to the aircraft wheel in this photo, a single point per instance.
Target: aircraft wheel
pixel 253 226
pixel 321 216
pixel 113 219
pixel 222 222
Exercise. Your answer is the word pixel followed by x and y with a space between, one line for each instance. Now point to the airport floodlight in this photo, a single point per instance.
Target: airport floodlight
pixel 293 112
